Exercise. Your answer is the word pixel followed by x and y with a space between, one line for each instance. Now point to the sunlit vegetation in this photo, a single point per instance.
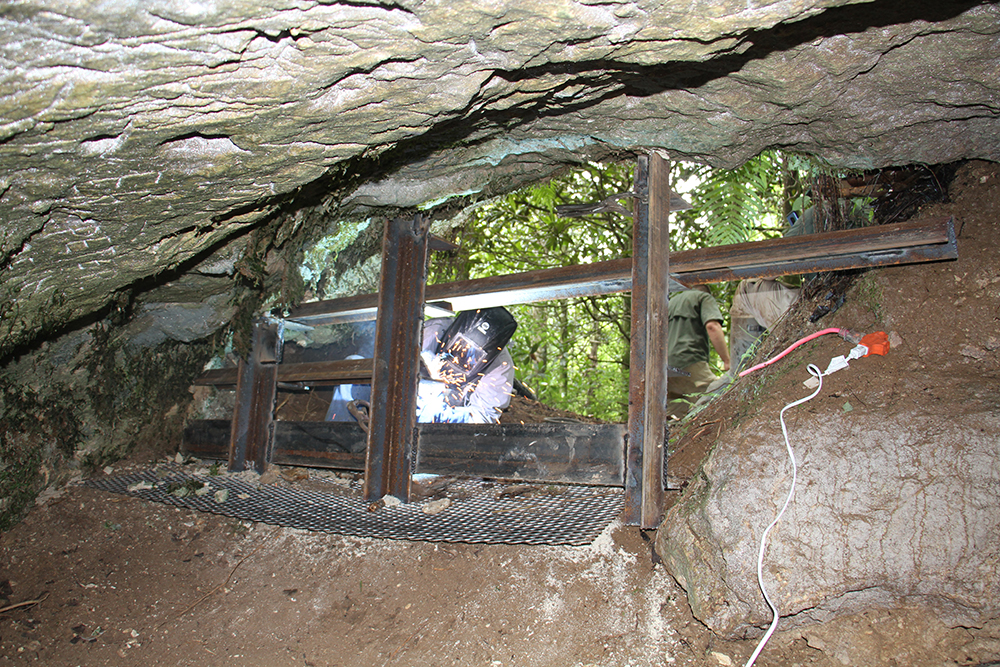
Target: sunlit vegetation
pixel 574 353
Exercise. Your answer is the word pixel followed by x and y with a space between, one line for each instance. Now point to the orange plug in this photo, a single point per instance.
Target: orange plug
pixel 877 343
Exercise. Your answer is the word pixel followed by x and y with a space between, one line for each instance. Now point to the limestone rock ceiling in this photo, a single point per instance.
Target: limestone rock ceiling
pixel 137 138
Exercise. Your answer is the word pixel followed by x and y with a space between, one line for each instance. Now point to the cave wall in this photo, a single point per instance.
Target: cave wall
pixel 86 400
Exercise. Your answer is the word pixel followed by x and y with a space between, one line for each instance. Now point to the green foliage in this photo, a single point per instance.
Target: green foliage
pixel 730 206
pixel 572 360
pixel 869 295
pixel 572 353
pixel 575 353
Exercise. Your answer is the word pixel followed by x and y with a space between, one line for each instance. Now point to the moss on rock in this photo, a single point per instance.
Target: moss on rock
pixel 86 400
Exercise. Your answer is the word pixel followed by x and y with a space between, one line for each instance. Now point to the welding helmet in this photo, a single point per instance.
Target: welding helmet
pixel 472 341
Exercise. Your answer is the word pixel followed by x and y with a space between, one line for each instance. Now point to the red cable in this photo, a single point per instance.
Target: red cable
pixel 842 332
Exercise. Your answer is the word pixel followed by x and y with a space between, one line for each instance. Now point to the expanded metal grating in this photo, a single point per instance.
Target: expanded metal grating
pixel 480 511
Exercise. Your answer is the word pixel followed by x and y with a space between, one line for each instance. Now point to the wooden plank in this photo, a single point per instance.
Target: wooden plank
pixel 919 240
pixel 562 453
pixel 398 338
pixel 256 386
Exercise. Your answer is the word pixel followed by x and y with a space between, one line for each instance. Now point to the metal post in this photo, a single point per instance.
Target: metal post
pixel 256 386
pixel 398 333
pixel 647 422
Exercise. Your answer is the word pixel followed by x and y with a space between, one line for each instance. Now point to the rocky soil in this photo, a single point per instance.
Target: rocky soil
pixel 111 580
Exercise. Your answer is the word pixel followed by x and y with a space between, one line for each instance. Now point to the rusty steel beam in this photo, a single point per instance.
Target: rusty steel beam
pixel 654 444
pixel 398 333
pixel 647 415
pixel 251 428
pixel 850 260
pixel 633 482
pixel 885 245
pixel 562 453
pixel 358 308
pixel 934 231
pixel 347 370
pixel 528 287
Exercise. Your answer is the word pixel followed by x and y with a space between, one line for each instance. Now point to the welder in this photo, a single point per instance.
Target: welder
pixel 466 372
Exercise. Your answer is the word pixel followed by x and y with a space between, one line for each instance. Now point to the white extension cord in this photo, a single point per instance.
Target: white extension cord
pixel 818 374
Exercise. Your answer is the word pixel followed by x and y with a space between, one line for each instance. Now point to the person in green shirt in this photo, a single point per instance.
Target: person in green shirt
pixel 694 323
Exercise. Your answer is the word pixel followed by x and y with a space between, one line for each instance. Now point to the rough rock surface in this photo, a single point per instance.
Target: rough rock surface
pixel 885 509
pixel 898 475
pixel 139 138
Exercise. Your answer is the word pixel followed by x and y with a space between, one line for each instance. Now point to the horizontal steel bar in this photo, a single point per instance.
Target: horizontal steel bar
pixel 564 453
pixel 858 260
pixel 923 241
pixel 314 371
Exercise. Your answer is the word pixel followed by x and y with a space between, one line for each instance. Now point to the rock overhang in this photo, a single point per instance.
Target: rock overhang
pixel 142 139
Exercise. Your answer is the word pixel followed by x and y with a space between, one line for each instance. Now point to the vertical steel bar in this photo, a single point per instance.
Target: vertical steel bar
pixel 647 420
pixel 398 331
pixel 654 444
pixel 252 427
pixel 632 514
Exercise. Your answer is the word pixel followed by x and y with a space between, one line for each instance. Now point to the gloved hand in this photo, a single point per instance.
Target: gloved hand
pixel 435 404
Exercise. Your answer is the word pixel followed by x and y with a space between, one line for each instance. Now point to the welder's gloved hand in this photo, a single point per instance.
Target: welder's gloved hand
pixel 432 400
pixel 434 404
pixel 443 414
pixel 429 392
pixel 455 416
pixel 427 413
pixel 430 366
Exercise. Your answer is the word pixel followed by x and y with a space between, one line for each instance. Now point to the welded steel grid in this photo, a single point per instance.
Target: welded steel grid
pixel 481 511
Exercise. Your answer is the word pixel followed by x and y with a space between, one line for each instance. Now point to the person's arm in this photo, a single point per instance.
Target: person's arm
pixel 718 339
pixel 494 390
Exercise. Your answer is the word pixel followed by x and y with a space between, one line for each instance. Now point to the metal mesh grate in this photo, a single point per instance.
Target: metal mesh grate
pixel 481 511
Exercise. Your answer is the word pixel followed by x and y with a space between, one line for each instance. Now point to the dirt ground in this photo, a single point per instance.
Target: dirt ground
pixel 92 578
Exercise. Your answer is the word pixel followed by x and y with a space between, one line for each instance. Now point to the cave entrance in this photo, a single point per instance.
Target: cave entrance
pixel 395 446
pixel 625 455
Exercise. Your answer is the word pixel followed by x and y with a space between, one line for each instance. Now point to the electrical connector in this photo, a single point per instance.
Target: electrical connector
pixel 839 363
pixel 858 352
pixel 877 343
pixel 850 336
pixel 836 364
